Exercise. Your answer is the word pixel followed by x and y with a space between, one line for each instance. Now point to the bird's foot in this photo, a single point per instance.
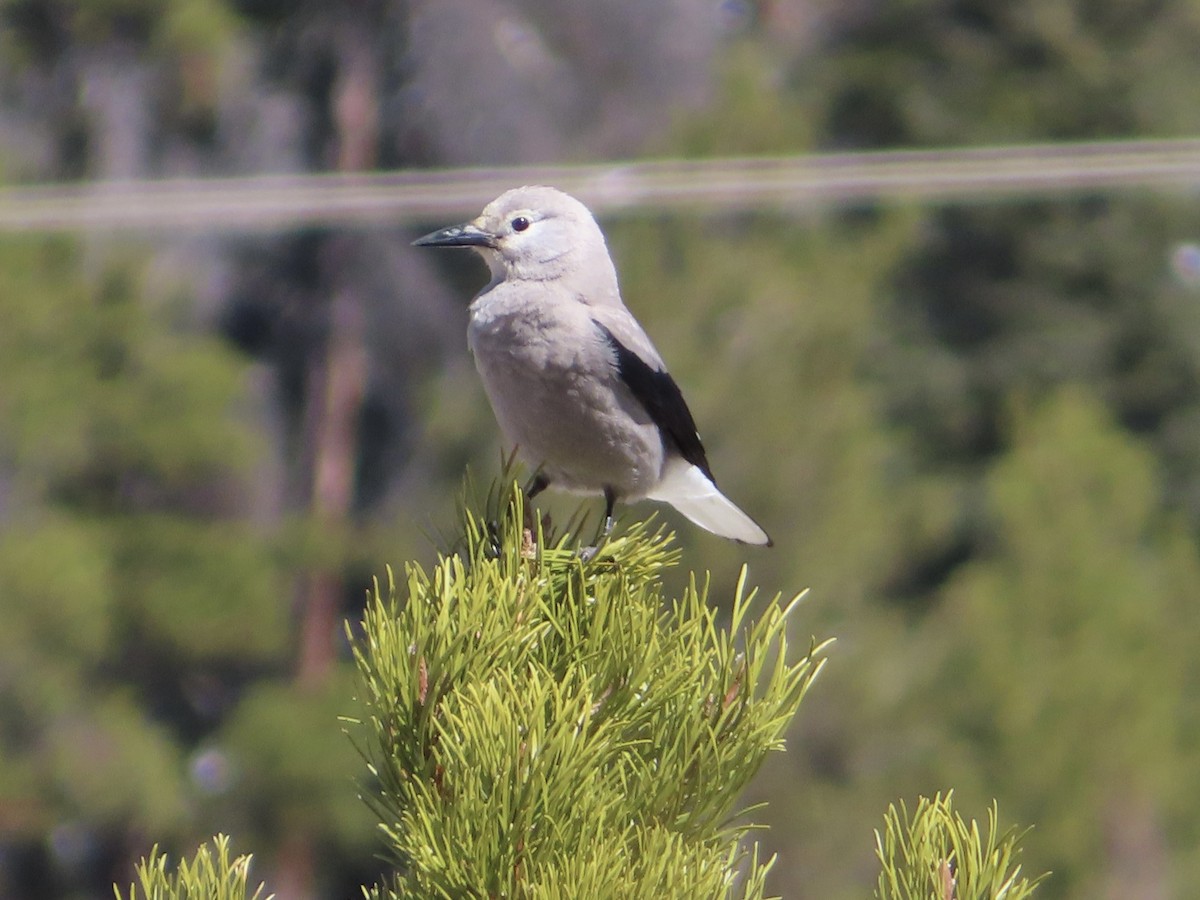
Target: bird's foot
pixel 587 554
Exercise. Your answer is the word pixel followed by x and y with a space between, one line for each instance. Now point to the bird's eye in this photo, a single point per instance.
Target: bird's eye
pixel 520 223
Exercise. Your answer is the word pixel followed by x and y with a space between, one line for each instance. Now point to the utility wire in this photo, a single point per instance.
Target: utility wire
pixel 432 196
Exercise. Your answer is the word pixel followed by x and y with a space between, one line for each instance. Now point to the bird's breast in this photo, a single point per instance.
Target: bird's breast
pixel 553 385
pixel 541 338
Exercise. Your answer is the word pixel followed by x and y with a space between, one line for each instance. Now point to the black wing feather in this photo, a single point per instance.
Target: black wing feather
pixel 658 393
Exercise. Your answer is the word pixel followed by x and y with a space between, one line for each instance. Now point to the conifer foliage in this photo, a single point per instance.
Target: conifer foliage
pixel 933 854
pixel 542 723
pixel 212 874
pixel 544 726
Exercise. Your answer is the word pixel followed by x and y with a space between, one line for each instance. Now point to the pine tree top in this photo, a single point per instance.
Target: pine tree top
pixel 545 725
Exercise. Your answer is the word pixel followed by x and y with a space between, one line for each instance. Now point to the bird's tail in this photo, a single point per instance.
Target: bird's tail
pixel 693 493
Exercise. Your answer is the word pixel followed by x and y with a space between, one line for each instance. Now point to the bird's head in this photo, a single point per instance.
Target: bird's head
pixel 531 234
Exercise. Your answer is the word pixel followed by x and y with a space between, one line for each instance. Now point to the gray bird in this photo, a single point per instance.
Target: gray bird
pixel 574 381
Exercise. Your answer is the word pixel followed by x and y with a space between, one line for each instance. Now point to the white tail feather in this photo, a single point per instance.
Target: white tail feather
pixel 691 492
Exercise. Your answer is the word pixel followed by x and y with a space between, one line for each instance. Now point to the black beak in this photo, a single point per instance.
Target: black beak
pixel 456 236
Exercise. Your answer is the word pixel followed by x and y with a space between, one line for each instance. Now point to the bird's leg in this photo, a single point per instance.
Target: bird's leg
pixel 610 501
pixel 538 483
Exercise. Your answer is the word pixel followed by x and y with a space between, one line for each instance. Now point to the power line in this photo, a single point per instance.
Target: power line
pixel 276 202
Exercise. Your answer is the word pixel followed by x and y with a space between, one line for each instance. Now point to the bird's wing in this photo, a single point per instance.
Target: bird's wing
pixel 642 370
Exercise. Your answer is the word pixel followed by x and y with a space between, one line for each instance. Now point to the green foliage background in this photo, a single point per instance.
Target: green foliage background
pixel 973 431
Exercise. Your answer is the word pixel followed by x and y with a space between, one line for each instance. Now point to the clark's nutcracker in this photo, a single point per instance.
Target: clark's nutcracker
pixel 573 379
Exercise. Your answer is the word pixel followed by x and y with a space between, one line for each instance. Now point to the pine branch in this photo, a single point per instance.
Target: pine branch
pixel 935 855
pixel 210 875
pixel 537 721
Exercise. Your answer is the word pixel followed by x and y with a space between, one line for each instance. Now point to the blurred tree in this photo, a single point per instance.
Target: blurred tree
pixel 1062 654
pixel 1026 295
pixel 139 601
pixel 110 88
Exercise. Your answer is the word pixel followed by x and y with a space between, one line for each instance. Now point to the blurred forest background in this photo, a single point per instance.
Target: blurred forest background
pixel 972 429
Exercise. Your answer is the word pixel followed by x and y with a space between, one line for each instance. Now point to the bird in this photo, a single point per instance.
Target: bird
pixel 575 383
